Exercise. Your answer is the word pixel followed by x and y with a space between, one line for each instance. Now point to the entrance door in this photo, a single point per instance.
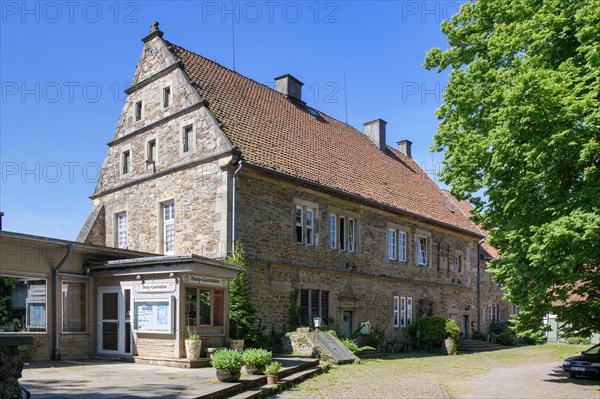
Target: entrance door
pixel 466 327
pixel 347 323
pixel 114 320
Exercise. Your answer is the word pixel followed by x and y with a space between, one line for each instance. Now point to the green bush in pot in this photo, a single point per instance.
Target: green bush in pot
pixel 256 360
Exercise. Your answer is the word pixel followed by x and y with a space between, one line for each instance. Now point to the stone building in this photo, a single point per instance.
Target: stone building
pixel 335 223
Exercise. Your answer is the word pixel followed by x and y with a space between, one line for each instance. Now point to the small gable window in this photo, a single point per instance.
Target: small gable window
pixel 188 136
pixel 166 97
pixel 138 111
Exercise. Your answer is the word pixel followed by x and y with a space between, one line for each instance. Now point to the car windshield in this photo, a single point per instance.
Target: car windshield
pixel 594 350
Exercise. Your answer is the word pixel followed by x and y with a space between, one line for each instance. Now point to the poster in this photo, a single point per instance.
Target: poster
pixel 153 315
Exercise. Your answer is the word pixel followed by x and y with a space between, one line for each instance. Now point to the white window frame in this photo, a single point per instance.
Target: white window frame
pixel 310 226
pixel 299 223
pixel 402 255
pixel 121 237
pixel 168 223
pixel 396 311
pixel 351 236
pixel 333 231
pixel 409 311
pixel 420 260
pixel 167 97
pixel 392 244
pixel 306 222
pixel 403 312
pixel 348 239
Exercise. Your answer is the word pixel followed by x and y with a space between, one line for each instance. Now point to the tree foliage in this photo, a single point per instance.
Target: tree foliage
pixel 7 284
pixel 243 323
pixel 521 139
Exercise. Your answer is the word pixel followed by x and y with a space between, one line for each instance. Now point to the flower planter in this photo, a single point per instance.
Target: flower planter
pixel 255 370
pixel 193 348
pixel 272 379
pixel 236 344
pixel 450 347
pixel 228 375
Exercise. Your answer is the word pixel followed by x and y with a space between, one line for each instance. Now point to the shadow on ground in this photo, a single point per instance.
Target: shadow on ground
pixel 44 389
pixel 558 376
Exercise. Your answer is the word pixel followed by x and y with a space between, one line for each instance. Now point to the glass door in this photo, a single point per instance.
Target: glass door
pixel 114 320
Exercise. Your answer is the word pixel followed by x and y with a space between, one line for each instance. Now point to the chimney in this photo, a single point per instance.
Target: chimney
pixel 375 130
pixel 1 215
pixel 289 86
pixel 404 147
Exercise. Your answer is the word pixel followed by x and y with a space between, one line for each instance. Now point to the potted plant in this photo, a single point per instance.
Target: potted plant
pixel 228 363
pixel 271 372
pixel 193 346
pixel 256 360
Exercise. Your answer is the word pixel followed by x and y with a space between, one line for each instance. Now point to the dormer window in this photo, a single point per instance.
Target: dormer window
pixel 138 111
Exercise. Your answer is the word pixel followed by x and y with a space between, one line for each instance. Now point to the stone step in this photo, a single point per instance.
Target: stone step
pixel 474 346
pixel 255 386
pixel 371 355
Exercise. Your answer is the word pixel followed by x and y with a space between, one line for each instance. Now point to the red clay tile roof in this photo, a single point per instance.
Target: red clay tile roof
pixel 279 134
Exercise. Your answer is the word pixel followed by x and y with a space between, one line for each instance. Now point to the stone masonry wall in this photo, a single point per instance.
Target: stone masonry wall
pixel 265 222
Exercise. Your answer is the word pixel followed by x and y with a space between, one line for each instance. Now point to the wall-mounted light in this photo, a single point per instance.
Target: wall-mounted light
pixel 140 278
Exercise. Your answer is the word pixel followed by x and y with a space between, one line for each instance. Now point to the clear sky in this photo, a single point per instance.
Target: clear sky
pixel 64 66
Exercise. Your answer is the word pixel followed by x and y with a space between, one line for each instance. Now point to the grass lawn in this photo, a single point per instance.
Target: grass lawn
pixel 419 374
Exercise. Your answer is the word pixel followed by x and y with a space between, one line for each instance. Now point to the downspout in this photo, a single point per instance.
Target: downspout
pixel 479 283
pixel 55 292
pixel 233 204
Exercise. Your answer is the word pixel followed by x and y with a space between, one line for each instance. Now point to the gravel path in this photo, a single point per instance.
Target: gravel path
pixel 531 381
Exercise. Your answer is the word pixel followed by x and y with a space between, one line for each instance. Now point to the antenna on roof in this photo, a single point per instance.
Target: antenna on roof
pixel 345 97
pixel 233 34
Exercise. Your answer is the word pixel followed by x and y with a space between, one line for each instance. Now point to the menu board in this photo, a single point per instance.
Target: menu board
pixel 153 315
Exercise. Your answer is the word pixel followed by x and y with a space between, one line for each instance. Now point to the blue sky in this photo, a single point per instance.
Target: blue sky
pixel 64 66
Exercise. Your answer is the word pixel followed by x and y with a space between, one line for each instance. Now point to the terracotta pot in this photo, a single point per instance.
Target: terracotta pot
pixel 271 379
pixel 236 344
pixel 228 375
pixel 193 348
pixel 255 370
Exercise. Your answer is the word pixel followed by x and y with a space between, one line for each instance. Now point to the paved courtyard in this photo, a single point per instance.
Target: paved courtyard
pixel 107 379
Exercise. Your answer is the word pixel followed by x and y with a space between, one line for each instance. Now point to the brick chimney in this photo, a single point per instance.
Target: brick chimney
pixel 375 130
pixel 404 146
pixel 289 86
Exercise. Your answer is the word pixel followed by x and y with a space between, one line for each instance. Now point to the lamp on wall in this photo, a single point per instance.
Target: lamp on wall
pixel 140 278
pixel 173 276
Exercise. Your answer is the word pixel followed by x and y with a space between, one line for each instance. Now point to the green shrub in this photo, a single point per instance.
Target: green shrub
pixel 429 332
pixel 273 368
pixel 350 344
pixel 227 359
pixel 452 330
pixel 256 357
pixel 479 335
pixel 506 338
pixel 578 340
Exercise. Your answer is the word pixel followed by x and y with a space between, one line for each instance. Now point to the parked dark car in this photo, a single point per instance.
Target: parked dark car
pixel 588 363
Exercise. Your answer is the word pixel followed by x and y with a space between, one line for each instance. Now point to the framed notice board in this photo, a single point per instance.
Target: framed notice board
pixel 154 315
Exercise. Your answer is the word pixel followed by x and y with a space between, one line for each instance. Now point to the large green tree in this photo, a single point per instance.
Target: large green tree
pixel 521 139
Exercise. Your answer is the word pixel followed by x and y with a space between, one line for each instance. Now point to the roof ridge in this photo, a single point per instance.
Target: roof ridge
pixel 261 84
